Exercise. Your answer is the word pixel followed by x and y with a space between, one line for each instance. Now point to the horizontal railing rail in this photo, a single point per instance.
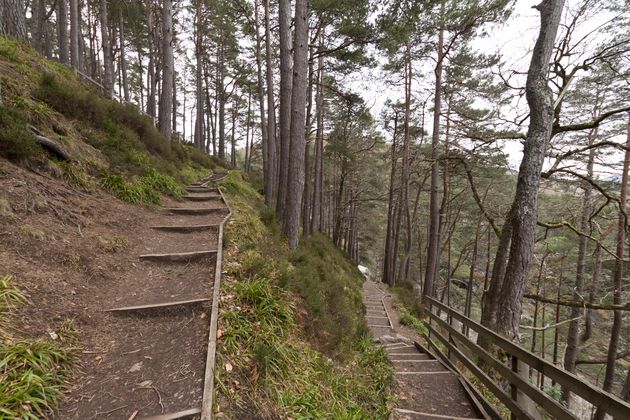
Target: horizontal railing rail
pixel 452 339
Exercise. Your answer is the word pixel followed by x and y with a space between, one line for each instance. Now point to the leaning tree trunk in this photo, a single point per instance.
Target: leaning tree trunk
pixel 524 210
pixel 108 61
pixel 168 61
pixel 285 106
pixel 523 215
pixel 295 184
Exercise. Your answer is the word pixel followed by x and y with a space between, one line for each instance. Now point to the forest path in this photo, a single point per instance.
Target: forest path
pixel 426 388
pixel 149 358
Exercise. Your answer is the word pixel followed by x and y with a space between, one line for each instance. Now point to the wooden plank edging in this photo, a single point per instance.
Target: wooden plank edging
pixel 208 383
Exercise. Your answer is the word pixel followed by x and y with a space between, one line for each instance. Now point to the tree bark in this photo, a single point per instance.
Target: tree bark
pixel 198 136
pixel 74 34
pixel 615 332
pixel 151 79
pixel 272 153
pixel 168 61
pixel 316 218
pixel 433 257
pixel 524 210
pixel 297 132
pixel 123 58
pixel 285 107
pixel 570 355
pixel 388 259
pixel 62 30
pixel 108 60
pixel 12 19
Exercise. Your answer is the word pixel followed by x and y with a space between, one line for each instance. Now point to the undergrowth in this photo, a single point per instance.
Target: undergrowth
pixel 289 347
pixel 32 372
pixel 113 145
pixel 409 319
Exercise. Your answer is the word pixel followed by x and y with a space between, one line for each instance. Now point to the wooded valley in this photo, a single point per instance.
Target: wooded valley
pixel 476 152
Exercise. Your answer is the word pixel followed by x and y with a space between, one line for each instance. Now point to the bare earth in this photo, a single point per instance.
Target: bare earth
pixel 76 255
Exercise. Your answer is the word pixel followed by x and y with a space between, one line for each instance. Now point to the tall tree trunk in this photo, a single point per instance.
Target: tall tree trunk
pixel 597 267
pixel 168 61
pixel 221 96
pixel 524 210
pixel 306 197
pixel 285 107
pixel 295 182
pixel 615 332
pixel 151 79
pixel 12 19
pixel 198 139
pixel 62 30
pixel 38 16
pixel 316 217
pixel 249 145
pixel 123 58
pixel 268 184
pixel 75 19
pixel 233 135
pixel 389 258
pixel 108 59
pixel 556 333
pixel 174 118
pixel 272 153
pixel 433 245
pixel 571 353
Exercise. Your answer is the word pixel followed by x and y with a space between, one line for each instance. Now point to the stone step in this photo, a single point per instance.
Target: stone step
pixel 404 355
pixel 410 350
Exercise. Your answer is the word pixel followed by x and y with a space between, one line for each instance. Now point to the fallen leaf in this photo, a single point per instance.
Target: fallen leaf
pixel 228 367
pixel 135 368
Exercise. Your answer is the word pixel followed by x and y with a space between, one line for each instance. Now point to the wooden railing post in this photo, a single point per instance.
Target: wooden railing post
pixel 513 387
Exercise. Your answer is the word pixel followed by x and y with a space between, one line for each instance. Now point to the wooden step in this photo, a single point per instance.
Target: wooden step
pixel 157 305
pixel 179 257
pixel 192 188
pixel 427 366
pixel 195 211
pixel 203 197
pixel 429 416
pixel 187 229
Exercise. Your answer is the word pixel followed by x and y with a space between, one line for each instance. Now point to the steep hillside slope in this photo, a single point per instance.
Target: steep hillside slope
pixel 72 225
pixel 292 339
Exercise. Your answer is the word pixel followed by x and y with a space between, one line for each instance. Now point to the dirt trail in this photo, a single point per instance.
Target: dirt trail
pixel 76 254
pixel 426 388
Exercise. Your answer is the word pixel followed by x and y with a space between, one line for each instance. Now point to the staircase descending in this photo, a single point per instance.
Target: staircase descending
pixel 427 389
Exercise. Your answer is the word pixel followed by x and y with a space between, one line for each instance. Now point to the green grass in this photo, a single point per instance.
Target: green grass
pixel 33 373
pixel 100 134
pixel 291 323
pixel 16 142
pixel 409 319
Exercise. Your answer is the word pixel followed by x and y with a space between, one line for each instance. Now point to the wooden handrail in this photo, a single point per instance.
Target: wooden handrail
pixel 596 396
